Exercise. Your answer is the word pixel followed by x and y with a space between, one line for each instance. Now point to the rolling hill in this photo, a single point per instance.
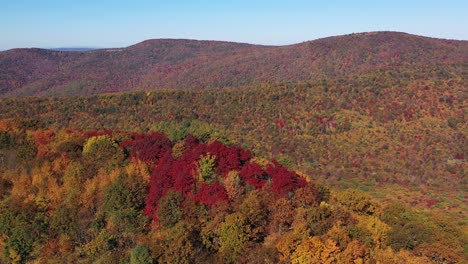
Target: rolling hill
pixel 348 149
pixel 191 64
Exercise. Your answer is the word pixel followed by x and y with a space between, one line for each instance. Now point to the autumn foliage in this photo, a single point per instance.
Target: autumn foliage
pixel 186 175
pixel 341 150
pixel 148 147
pixel 144 198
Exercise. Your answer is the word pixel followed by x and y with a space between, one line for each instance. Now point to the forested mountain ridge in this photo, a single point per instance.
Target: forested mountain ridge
pixel 349 149
pixel 368 131
pixel 170 63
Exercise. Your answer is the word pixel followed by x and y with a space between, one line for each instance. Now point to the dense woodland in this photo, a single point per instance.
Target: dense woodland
pixel 169 63
pixel 118 197
pixel 372 129
pixel 357 158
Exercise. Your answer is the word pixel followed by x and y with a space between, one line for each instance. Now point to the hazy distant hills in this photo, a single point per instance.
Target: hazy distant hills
pixel 74 49
pixel 167 63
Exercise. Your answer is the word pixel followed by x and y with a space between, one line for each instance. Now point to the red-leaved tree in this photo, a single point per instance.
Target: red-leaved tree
pixel 210 194
pixel 228 158
pixel 253 174
pixel 148 147
pixel 161 182
pixel 284 181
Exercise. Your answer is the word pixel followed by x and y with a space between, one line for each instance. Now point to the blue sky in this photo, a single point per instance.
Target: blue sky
pixel 119 23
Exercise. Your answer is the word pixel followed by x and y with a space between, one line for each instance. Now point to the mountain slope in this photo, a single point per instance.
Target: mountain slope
pixel 70 196
pixel 167 63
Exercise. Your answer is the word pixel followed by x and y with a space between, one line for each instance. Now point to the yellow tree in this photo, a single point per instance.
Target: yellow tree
pixel 309 251
pixel 378 229
pixel 233 236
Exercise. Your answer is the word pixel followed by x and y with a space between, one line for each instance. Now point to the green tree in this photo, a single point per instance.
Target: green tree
pixel 101 244
pixel 179 245
pixel 233 234
pixel 65 221
pixel 6 140
pixel 169 212
pixel 206 167
pixel 102 151
pixel 27 151
pixel 20 228
pixel 124 201
pixel 140 255
pixel 319 219
pixel 254 211
pixel 409 236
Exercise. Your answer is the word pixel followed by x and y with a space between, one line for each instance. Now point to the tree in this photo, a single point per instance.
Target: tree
pixel 178 149
pixel 95 248
pixel 233 235
pixel 438 253
pixel 211 194
pixel 148 147
pixel 206 167
pixel 281 215
pixel 161 182
pixel 259 253
pixel 340 235
pixel 6 140
pixel 330 252
pixel 253 209
pixel 253 174
pixel 169 212
pixel 179 244
pixel 409 236
pixel 286 244
pixel 319 219
pixel 232 184
pixel 355 252
pixel 20 229
pixel 66 221
pixel 20 243
pixel 284 181
pixel 357 201
pixel 307 196
pixel 42 139
pixel 102 151
pixel 308 251
pixel 27 151
pixel 228 158
pixel 124 200
pixel 388 256
pixel 140 255
pixel 378 230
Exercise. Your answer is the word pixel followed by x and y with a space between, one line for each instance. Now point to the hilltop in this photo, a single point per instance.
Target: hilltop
pixel 348 149
pixel 192 64
pixel 107 197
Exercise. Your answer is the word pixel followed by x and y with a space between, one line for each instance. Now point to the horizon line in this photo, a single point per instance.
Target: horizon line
pixel 94 47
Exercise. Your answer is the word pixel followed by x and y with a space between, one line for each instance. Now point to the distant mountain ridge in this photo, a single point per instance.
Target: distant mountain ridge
pixel 193 64
pixel 77 49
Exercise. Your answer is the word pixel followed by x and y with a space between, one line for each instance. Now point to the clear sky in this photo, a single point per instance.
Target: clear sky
pixel 119 23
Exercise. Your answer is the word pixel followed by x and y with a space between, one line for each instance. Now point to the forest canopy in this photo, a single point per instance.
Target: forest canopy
pixel 122 197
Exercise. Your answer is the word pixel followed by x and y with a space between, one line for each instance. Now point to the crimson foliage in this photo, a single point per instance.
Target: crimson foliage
pixel 160 183
pixel 148 147
pixel 228 158
pixel 284 181
pixel 253 174
pixel 181 174
pixel 210 194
